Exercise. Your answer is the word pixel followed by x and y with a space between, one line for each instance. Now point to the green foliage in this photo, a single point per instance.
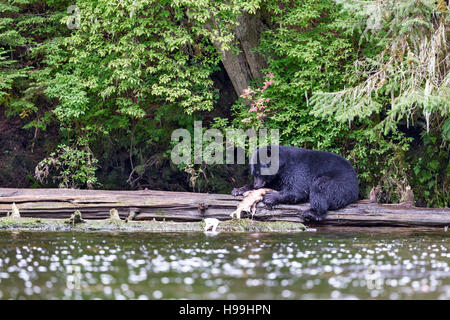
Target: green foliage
pixel 130 55
pixel 305 54
pixel 431 173
pixel 8 74
pixel 313 47
pixel 408 78
pixel 70 167
pixel 353 77
pixel 405 78
pixel 29 30
pixel 446 130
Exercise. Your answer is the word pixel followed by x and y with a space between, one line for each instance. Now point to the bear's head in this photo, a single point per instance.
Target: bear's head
pixel 264 165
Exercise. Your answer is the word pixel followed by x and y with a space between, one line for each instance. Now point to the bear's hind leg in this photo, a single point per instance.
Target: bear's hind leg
pixel 324 194
pixel 318 209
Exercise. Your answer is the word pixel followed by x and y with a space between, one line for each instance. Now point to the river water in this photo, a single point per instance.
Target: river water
pixel 331 263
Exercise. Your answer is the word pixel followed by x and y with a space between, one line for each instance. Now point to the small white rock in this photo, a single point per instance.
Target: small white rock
pixel 211 223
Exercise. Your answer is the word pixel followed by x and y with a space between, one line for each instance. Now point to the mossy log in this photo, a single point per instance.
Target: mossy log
pixel 192 207
pixel 242 225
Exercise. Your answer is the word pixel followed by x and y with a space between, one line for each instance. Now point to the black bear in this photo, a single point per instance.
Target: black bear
pixel 328 180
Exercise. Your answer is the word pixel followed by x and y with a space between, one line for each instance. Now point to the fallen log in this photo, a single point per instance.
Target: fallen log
pixel 191 207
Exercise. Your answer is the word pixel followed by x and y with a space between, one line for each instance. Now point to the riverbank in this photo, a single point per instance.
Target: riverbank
pixel 243 225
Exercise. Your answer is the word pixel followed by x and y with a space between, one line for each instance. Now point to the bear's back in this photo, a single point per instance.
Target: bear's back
pixel 316 160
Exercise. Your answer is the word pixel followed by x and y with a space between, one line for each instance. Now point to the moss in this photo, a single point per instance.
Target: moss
pixel 32 224
pixel 75 218
pixel 243 225
pixel 258 226
pixel 14 222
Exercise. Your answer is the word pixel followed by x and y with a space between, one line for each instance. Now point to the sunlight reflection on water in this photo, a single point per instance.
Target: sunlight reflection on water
pixel 328 264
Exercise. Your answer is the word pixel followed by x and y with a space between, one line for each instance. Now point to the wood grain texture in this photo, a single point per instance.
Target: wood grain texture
pixel 189 207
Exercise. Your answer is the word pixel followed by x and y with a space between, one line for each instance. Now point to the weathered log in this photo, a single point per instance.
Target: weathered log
pixel 191 207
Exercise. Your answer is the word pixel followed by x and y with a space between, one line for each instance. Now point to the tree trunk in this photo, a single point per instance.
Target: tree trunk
pixel 246 65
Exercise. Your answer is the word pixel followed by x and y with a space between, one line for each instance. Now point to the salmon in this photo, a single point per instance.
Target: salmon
pixel 248 204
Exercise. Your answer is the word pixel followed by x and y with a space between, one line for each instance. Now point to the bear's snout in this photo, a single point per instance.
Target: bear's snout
pixel 258 183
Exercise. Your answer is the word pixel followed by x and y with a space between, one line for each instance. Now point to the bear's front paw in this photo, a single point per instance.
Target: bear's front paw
pixel 311 216
pixel 270 199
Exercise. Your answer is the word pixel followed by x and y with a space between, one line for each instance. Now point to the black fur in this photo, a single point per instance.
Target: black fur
pixel 326 179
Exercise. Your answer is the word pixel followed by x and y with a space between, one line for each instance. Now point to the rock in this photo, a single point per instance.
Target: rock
pixel 211 223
